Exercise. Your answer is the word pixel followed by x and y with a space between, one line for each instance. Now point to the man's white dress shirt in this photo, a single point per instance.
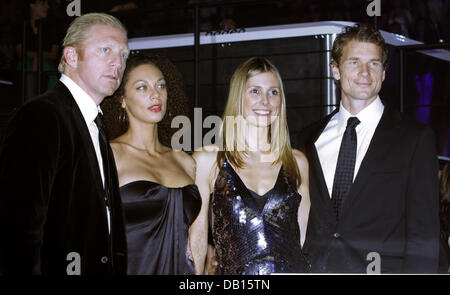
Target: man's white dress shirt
pixel 329 142
pixel 89 109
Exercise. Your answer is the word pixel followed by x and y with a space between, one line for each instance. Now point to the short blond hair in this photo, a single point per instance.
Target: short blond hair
pixel 79 29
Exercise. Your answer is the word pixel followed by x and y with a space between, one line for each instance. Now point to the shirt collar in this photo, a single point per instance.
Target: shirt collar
pixel 368 116
pixel 89 109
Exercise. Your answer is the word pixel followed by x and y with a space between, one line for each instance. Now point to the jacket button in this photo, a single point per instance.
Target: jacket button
pixel 336 235
pixel 104 259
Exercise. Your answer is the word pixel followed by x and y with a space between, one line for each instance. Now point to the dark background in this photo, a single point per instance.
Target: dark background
pixel 300 60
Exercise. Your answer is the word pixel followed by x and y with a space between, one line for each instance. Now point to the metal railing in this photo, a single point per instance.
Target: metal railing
pixel 196 7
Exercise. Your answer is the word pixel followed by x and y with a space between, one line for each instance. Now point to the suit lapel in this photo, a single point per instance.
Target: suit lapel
pixel 83 134
pixel 317 178
pixel 377 148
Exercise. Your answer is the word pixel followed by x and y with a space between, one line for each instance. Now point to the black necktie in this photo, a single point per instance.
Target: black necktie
pixel 343 177
pixel 105 150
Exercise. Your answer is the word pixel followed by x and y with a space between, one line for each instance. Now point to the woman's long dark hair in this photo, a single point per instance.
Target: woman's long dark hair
pixel 178 102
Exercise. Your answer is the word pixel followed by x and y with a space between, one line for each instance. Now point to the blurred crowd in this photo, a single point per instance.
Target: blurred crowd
pixel 423 20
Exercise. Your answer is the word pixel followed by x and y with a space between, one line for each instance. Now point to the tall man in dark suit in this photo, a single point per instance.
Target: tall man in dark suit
pixel 373 173
pixel 60 209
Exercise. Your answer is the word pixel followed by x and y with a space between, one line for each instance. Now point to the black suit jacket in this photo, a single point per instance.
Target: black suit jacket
pixel 392 208
pixel 52 199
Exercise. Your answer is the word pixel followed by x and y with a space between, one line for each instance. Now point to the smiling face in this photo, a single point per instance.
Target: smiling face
pixel 360 72
pixel 262 99
pixel 97 65
pixel 145 97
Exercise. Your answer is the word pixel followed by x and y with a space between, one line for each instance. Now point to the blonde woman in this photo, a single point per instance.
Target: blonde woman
pixel 255 187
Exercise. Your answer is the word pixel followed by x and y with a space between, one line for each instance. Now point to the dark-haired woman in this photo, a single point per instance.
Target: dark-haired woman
pixel 156 182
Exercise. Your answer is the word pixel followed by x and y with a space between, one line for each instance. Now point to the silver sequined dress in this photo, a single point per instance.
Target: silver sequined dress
pixel 255 234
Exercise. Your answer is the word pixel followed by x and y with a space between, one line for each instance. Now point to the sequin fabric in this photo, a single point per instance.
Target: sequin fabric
pixel 250 240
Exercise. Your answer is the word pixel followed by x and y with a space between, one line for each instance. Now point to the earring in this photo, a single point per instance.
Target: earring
pixel 122 115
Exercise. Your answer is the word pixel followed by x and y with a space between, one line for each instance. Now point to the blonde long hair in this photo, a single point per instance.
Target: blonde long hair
pixel 279 134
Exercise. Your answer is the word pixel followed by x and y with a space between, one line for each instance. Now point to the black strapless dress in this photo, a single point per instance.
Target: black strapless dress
pixel 157 225
pixel 255 234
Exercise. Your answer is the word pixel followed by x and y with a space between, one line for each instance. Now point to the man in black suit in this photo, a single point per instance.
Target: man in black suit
pixel 60 209
pixel 373 173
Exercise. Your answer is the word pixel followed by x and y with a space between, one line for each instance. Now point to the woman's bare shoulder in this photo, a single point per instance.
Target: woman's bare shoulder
pixel 206 154
pixel 300 157
pixel 186 161
pixel 117 147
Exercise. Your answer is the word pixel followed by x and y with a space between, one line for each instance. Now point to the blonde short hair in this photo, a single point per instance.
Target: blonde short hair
pixel 79 29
